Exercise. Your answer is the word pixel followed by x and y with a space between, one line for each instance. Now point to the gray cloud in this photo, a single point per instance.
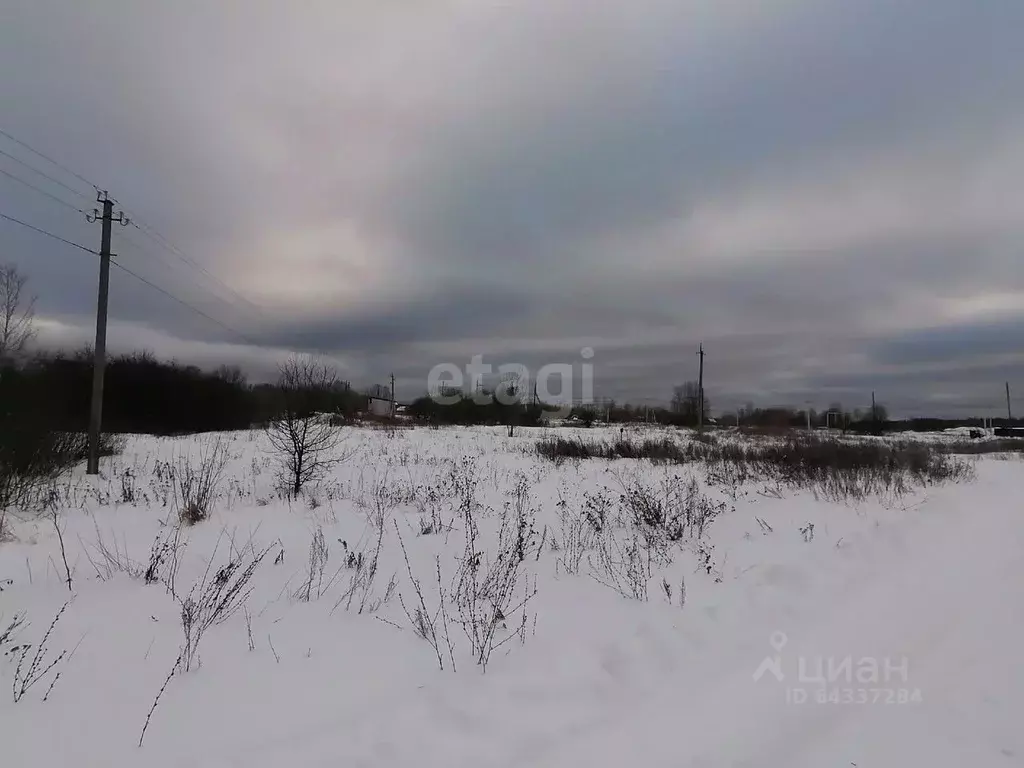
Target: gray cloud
pixel 826 193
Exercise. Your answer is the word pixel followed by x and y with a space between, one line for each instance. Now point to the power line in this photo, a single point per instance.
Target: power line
pixel 182 256
pixel 192 278
pixel 32 186
pixel 144 228
pixel 48 234
pixel 185 304
pixel 48 159
pixel 46 176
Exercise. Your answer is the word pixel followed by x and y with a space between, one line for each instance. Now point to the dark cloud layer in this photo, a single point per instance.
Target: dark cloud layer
pixel 826 193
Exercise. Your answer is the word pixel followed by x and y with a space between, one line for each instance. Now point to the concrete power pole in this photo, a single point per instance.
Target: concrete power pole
pixel 700 392
pixel 1009 411
pixel 100 352
pixel 392 395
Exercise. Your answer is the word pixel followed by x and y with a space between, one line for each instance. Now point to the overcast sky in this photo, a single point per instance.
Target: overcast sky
pixel 829 194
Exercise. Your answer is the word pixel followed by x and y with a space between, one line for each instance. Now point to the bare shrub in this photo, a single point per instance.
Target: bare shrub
pixel 38 668
pixel 577 537
pixel 669 513
pixel 484 592
pixel 111 557
pixel 423 621
pixel 302 436
pixel 198 483
pixel 361 591
pixel 55 519
pixel 212 601
pixel 484 589
pixel 381 501
pixel 313 587
pixel 428 499
pixel 626 568
pixel 461 486
pixel 165 560
pixel 523 517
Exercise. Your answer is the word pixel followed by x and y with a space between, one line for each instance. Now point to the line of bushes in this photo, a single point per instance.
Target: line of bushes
pixel 798 460
pixel 981 447
pixel 34 448
pixel 149 396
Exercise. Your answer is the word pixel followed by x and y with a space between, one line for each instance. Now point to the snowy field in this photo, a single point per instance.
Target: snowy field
pixel 448 598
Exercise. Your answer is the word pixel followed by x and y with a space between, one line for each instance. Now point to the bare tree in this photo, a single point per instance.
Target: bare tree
pixel 686 400
pixel 17 312
pixel 232 374
pixel 508 396
pixel 302 434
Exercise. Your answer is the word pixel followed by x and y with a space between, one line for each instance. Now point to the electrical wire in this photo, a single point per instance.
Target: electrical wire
pixel 32 186
pixel 46 176
pixel 48 159
pixel 192 277
pixel 185 304
pixel 143 227
pixel 167 245
pixel 48 234
pixel 133 274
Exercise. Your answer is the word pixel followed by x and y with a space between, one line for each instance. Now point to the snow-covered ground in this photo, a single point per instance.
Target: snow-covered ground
pixel 793 631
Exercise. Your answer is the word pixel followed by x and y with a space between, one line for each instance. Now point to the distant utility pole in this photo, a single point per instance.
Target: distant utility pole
pixel 874 412
pixel 700 391
pixel 392 395
pixel 1009 412
pixel 100 352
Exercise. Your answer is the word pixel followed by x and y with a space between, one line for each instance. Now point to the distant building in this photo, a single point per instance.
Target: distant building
pixel 378 406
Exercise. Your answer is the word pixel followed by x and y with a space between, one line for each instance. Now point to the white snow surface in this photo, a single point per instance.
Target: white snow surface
pixel 913 604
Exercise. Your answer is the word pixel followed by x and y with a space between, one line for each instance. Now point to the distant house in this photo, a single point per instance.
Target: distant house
pixel 378 406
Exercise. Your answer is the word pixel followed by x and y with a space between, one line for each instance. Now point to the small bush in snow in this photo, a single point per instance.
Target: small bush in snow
pixel 213 601
pixel 165 559
pixel 197 483
pixel 302 438
pixel 484 589
pixel 28 675
pixel 626 567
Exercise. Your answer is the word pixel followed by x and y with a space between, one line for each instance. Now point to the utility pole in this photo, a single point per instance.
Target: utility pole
pixel 700 392
pixel 1009 412
pixel 100 351
pixel 392 395
pixel 874 412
